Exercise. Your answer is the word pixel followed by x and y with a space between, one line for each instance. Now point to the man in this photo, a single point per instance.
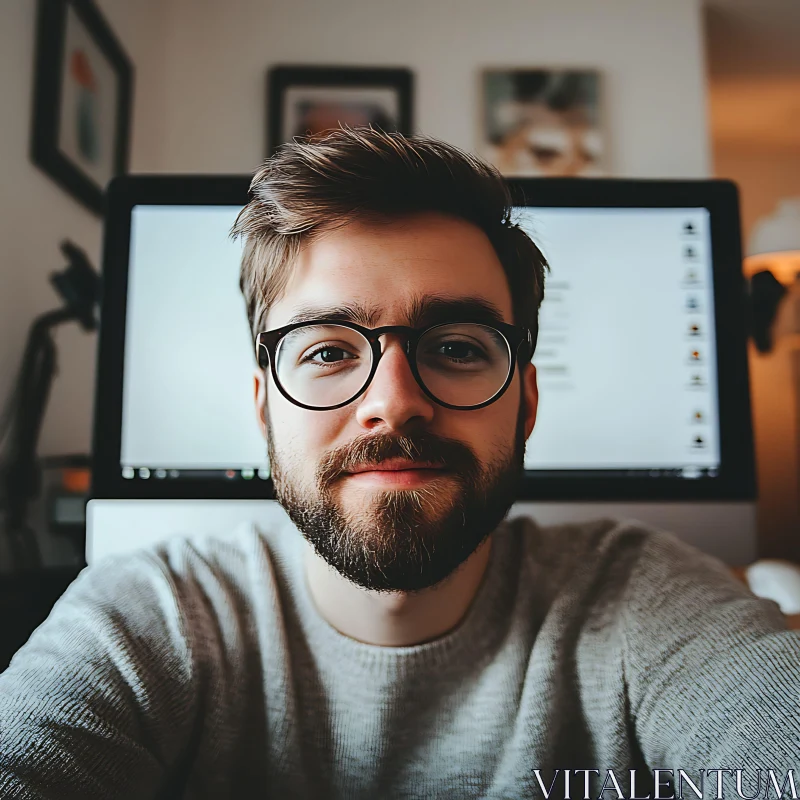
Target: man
pixel 410 643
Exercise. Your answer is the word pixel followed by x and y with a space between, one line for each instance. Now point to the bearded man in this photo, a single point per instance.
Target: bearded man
pixel 397 636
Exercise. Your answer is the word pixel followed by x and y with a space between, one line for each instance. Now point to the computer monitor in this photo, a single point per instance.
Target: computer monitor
pixel 641 356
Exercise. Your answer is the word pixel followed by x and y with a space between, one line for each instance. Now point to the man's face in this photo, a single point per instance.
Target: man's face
pixel 407 529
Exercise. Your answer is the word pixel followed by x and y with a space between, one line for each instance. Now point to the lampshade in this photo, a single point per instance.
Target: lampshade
pixel 775 243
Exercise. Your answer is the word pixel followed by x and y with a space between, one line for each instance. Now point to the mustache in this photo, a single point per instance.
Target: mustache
pixel 373 449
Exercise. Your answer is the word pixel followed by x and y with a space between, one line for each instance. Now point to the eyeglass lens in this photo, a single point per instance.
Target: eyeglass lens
pixel 460 364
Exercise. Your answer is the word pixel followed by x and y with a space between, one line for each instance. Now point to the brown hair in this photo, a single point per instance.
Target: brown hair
pixel 309 187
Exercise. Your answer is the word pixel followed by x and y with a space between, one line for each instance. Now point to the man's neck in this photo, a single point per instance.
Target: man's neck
pixel 394 619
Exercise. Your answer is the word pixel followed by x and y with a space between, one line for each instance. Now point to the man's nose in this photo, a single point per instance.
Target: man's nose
pixel 394 398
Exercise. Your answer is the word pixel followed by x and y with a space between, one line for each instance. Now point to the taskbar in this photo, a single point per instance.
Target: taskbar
pixel 138 473
pixel 691 472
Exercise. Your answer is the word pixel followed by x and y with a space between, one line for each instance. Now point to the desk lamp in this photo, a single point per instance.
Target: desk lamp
pixel 773 267
pixel 78 285
pixel 775 243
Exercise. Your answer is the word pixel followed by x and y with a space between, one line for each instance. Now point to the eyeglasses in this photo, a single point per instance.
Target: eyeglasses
pixel 323 365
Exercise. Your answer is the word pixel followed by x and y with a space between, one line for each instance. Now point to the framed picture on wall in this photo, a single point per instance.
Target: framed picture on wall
pixel 543 122
pixel 83 91
pixel 307 101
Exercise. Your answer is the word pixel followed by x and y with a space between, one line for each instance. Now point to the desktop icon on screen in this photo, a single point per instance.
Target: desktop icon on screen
pixel 691 277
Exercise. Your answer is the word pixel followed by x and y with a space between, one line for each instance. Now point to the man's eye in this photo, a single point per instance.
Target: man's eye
pixel 328 355
pixel 460 351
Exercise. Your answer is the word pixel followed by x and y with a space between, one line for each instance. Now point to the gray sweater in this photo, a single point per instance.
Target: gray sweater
pixel 202 669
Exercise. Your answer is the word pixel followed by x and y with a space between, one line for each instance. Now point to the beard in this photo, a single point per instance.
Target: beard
pixel 401 540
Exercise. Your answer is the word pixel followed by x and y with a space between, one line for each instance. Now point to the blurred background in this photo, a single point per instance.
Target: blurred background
pixel 675 89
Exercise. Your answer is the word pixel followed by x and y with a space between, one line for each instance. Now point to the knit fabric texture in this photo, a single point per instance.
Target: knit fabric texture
pixel 201 668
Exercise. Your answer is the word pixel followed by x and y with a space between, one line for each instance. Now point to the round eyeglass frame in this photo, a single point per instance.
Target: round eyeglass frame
pixel 515 336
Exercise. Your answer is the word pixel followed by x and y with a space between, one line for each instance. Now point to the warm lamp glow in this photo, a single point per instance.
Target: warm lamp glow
pixel 783 265
pixel 775 243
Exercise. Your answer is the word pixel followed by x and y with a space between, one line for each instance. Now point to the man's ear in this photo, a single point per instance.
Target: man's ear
pixel 260 397
pixel 530 391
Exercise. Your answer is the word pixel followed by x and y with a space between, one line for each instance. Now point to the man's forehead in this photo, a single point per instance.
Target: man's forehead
pixel 412 271
pixel 418 311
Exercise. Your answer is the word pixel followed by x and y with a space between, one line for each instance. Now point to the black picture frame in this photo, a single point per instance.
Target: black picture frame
pixel 574 101
pixel 281 79
pixel 45 149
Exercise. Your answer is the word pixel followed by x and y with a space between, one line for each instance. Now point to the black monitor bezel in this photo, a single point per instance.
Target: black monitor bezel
pixel 735 479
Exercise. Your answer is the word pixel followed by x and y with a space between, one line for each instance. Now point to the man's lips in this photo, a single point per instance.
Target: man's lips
pixel 396 473
pixel 395 465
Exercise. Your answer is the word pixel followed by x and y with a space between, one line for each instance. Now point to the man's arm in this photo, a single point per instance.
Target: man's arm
pixel 713 674
pixel 99 703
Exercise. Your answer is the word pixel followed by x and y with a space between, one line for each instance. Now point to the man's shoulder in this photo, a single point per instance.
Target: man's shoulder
pixel 617 540
pixel 193 567
pixel 595 545
pixel 621 567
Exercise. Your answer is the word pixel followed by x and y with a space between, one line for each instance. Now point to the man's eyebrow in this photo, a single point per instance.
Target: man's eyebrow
pixel 425 310
pixel 348 312
pixel 432 309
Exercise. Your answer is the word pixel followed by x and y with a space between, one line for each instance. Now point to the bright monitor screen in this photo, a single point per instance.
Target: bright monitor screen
pixel 626 357
pixel 187 402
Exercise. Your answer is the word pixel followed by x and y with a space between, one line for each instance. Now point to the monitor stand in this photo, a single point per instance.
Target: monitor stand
pixel 726 530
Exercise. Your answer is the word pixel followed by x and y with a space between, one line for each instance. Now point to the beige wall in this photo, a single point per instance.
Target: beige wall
pixel 200 85
pixel 650 52
pixel 764 174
